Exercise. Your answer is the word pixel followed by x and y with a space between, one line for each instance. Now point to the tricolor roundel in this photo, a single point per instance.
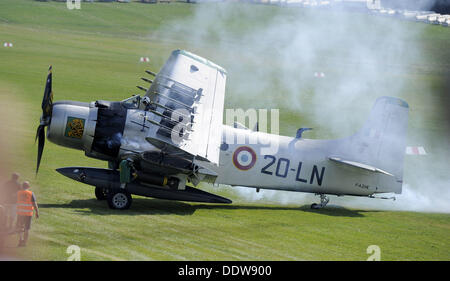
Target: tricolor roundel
pixel 244 158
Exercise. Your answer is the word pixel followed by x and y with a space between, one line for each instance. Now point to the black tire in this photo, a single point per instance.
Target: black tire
pixel 100 193
pixel 314 206
pixel 119 199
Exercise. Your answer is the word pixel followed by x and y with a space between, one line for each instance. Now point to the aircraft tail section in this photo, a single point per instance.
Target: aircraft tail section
pixel 380 144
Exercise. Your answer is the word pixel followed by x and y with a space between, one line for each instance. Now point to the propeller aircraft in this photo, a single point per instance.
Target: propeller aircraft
pixel 164 143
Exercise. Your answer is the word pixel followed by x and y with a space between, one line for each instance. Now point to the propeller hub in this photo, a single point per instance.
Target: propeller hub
pixel 45 120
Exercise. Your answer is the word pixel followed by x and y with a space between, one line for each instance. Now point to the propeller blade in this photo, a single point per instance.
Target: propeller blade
pixel 47 100
pixel 47 104
pixel 40 134
pixel 37 132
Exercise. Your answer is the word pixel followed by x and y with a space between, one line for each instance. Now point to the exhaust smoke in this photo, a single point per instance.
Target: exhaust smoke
pixel 272 53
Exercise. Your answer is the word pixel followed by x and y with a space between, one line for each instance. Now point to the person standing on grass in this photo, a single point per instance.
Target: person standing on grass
pixel 8 198
pixel 26 203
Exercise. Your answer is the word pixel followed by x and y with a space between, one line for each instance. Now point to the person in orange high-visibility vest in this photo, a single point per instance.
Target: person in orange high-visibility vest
pixel 26 203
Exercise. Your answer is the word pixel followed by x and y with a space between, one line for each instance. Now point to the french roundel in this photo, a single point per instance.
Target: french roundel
pixel 244 158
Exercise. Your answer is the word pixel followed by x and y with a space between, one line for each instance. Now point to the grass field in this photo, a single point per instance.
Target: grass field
pixel 95 54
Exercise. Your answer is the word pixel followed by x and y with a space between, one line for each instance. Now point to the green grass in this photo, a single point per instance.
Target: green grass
pixel 95 53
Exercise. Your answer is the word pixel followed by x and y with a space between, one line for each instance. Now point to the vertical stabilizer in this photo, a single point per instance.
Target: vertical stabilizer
pixel 382 140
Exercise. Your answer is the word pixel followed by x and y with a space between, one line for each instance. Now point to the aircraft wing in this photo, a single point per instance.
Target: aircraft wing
pixel 186 107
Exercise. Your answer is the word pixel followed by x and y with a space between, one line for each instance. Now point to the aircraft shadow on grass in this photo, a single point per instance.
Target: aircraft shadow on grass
pixel 166 207
pixel 330 210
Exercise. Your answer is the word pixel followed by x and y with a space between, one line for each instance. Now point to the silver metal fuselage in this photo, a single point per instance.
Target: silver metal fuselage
pixel 300 165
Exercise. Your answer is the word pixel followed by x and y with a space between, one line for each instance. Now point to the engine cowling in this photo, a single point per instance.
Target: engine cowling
pixel 95 128
pixel 72 125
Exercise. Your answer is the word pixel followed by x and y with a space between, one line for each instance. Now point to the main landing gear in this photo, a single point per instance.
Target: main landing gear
pixel 100 193
pixel 323 202
pixel 118 199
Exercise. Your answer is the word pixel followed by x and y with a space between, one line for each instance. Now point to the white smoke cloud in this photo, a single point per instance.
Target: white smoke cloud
pixel 268 49
pixel 271 55
pixel 411 199
pixel 272 196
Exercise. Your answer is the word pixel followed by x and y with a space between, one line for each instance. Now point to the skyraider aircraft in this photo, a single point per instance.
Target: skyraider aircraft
pixel 166 142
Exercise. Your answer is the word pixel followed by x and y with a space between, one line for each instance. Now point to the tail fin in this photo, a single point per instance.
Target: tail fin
pixel 381 141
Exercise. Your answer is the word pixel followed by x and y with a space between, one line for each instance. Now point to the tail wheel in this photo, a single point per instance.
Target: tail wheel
pixel 100 193
pixel 119 199
pixel 323 202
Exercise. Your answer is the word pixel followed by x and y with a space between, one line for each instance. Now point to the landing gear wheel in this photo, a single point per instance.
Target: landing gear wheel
pixel 119 199
pixel 323 202
pixel 315 206
pixel 100 193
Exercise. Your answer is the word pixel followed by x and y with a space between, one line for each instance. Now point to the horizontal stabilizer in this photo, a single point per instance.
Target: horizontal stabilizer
pixel 359 165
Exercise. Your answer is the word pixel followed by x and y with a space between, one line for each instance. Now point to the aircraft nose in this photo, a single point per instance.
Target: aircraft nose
pixel 69 123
